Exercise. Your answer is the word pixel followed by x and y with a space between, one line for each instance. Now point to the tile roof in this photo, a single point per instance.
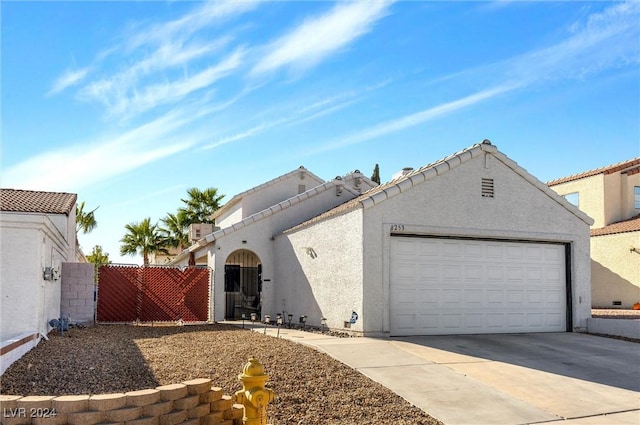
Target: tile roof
pixel 630 166
pixel 630 225
pixel 17 200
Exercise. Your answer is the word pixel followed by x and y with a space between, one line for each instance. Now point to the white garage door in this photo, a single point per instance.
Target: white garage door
pixel 456 286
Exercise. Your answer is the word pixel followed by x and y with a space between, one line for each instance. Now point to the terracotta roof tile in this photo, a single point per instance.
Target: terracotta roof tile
pixel 629 225
pixel 631 165
pixel 17 200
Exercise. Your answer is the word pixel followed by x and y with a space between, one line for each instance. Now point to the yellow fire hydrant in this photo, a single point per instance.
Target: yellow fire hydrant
pixel 254 396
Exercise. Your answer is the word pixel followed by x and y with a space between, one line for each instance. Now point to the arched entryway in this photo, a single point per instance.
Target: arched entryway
pixel 242 284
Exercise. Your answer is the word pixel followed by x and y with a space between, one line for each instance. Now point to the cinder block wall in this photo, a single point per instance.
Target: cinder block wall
pixel 77 292
pixel 193 402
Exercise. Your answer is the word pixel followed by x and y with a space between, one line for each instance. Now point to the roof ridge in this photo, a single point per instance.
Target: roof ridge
pixel 400 182
pixel 258 216
pixel 268 183
pixel 608 169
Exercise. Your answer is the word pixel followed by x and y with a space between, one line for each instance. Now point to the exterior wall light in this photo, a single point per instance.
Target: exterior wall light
pixel 267 320
pixel 280 322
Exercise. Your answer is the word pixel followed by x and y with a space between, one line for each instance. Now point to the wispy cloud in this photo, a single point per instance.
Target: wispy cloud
pixel 414 119
pixel 317 38
pixel 159 63
pixel 67 79
pixel 301 114
pixel 208 13
pixel 76 167
pixel 606 40
pixel 121 97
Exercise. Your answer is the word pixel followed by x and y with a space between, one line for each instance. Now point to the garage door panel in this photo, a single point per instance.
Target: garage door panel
pixel 448 286
pixel 473 273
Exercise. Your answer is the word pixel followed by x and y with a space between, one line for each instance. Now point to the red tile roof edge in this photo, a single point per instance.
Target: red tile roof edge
pixel 609 169
pixel 34 201
pixel 630 225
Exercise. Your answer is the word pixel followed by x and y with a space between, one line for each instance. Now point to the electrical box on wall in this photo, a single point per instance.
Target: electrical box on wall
pixel 48 273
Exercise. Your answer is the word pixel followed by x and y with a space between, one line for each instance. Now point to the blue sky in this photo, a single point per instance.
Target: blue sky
pixel 128 104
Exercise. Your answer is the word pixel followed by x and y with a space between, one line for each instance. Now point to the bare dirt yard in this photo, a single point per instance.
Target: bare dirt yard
pixel 312 387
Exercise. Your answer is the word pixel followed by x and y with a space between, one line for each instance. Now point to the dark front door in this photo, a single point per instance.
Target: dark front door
pixel 242 286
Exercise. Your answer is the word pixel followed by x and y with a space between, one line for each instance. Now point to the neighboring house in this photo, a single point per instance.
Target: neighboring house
pixel 38 234
pixel 469 244
pixel 611 196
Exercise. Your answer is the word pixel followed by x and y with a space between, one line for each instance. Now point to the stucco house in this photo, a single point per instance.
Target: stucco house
pixel 471 243
pixel 611 195
pixel 38 234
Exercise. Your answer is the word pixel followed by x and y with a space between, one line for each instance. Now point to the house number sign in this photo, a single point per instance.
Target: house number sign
pixel 397 227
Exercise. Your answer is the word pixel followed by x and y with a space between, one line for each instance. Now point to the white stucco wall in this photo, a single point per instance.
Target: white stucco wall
pixel 31 242
pixel 258 237
pixel 319 271
pixel 451 205
pixel 233 215
pixel 266 195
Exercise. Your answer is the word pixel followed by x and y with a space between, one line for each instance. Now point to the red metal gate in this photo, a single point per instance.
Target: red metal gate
pixel 153 294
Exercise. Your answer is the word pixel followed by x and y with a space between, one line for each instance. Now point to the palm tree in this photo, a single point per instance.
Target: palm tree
pixel 85 221
pixel 176 230
pixel 142 238
pixel 98 257
pixel 200 205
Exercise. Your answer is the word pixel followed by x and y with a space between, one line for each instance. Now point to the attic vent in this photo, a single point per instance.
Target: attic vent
pixel 301 188
pixel 487 188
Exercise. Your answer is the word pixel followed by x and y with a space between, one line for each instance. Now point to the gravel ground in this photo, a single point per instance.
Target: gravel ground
pixel 312 387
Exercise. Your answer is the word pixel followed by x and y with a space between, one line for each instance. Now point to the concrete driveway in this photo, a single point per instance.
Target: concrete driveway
pixel 501 379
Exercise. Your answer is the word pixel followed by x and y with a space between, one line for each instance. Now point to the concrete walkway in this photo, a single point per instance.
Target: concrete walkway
pixel 498 379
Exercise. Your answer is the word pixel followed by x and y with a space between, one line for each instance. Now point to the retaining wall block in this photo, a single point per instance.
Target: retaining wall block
pixel 199 411
pixel 142 397
pixel 214 394
pixel 107 401
pixel 198 386
pixel 225 403
pixel 236 412
pixel 187 402
pixel 16 420
pixel 127 413
pixel 71 403
pixel 35 402
pixel 149 420
pixel 213 418
pixel 173 418
pixel 54 419
pixel 92 417
pixel 8 401
pixel 172 391
pixel 158 409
